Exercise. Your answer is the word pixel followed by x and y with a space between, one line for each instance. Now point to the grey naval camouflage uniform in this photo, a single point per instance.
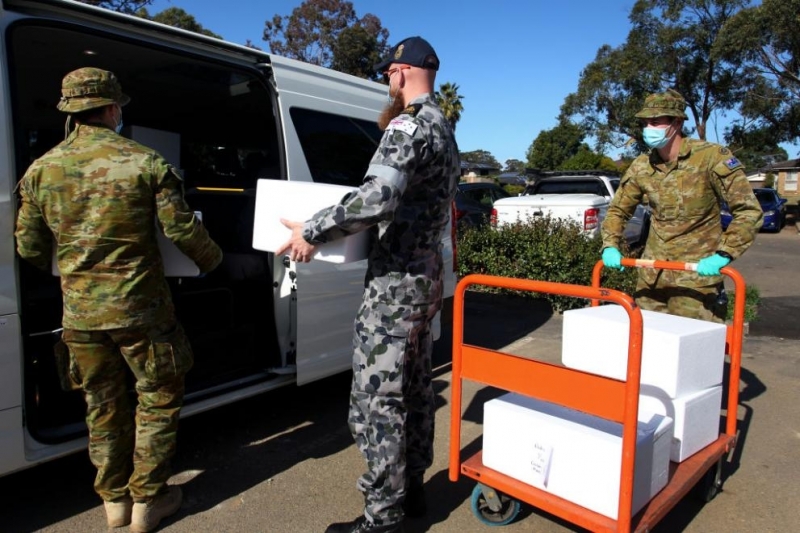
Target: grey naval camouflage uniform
pixel 684 197
pixel 405 200
pixel 98 195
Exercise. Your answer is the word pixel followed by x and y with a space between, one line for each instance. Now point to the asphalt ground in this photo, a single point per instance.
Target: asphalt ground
pixel 285 461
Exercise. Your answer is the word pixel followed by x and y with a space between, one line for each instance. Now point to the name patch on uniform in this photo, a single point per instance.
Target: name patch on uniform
pixel 406 126
pixel 732 163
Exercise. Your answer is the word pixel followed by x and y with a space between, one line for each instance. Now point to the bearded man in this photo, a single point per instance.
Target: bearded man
pixel 405 204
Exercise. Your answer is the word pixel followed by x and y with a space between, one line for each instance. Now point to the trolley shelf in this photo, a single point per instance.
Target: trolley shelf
pixel 683 476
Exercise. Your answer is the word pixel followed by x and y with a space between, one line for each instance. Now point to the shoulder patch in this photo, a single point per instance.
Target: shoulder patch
pixel 406 126
pixel 732 163
pixel 412 110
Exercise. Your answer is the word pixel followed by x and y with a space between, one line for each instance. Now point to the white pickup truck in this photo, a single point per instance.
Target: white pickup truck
pixel 583 196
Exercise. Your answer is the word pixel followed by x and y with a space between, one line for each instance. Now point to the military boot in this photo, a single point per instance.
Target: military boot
pixel 118 512
pixel 362 525
pixel 147 515
pixel 414 506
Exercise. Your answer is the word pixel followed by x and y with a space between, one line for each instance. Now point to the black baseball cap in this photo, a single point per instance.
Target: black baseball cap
pixel 414 51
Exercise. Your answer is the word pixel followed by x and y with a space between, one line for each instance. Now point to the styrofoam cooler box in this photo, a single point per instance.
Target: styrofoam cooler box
pixel 299 201
pixel 679 355
pixel 573 455
pixel 695 418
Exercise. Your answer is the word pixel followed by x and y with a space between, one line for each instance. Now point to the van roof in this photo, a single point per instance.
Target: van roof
pixel 163 31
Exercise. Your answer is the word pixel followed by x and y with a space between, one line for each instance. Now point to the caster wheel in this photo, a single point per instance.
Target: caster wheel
pixel 710 484
pixel 493 508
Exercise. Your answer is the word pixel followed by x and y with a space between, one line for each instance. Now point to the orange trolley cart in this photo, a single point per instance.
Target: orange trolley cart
pixel 496 498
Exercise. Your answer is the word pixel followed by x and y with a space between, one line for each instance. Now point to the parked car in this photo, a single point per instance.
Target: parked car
pixel 475 203
pixel 774 208
pixel 582 196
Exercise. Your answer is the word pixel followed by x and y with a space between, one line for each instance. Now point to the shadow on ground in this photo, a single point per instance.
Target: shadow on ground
pixel 777 317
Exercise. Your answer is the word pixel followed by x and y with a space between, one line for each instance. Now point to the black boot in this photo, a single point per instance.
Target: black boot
pixel 414 506
pixel 361 525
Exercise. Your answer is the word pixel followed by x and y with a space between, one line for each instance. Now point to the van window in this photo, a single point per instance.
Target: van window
pixel 338 149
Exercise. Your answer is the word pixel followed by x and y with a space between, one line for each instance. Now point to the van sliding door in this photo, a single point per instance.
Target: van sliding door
pixel 330 131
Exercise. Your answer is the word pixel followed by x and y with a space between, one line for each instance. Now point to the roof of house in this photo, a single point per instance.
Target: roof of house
pixel 783 165
pixel 478 166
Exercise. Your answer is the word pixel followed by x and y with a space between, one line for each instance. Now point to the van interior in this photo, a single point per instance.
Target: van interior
pixel 214 121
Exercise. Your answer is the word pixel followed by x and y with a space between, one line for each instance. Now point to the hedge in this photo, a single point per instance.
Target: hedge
pixel 541 249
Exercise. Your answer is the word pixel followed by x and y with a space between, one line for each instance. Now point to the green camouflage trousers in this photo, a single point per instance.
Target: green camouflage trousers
pixel 392 403
pixel 694 302
pixel 131 455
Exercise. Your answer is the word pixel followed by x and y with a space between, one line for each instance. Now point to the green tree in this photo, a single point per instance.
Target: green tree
pixel 450 101
pixel 123 6
pixel 359 47
pixel 585 159
pixel 313 33
pixel 514 165
pixel 177 18
pixel 671 45
pixel 480 156
pixel 766 40
pixel 554 146
pixel 755 148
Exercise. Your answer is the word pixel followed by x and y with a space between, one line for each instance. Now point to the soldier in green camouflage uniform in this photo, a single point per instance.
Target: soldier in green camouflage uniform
pixel 684 180
pixel 405 204
pixel 97 196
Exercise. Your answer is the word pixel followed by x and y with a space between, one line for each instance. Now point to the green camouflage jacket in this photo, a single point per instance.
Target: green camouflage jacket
pixel 98 195
pixel 684 199
pixel 405 200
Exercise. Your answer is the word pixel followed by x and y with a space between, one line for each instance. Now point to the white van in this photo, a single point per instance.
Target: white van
pixel 227 116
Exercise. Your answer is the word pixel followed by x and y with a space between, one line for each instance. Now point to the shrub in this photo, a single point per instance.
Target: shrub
pixel 514 190
pixel 542 249
pixel 752 297
pixel 547 249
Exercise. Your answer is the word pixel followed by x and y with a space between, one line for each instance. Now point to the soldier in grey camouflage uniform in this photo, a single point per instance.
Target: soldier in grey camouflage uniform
pixel 97 196
pixel 684 180
pixel 405 202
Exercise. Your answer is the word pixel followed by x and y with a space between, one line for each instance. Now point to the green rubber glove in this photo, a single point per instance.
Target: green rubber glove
pixel 709 266
pixel 612 258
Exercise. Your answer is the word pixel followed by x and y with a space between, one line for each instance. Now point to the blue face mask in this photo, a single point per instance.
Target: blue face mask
pixel 655 137
pixel 118 127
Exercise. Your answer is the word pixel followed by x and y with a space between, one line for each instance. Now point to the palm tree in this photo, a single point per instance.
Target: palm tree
pixel 450 101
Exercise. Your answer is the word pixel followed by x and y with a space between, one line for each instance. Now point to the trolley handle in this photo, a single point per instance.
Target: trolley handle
pixel 735 333
pixel 734 275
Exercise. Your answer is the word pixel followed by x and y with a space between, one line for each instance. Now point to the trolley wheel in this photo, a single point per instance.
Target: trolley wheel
pixel 493 508
pixel 710 484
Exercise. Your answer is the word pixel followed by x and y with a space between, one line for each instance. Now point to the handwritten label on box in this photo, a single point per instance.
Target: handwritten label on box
pixel 541 453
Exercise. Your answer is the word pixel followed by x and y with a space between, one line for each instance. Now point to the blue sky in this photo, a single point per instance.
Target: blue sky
pixel 514 61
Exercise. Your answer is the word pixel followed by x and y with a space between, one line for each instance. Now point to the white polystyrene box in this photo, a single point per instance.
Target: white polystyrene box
pixel 299 201
pixel 573 455
pixel 679 355
pixel 695 416
pixel 166 143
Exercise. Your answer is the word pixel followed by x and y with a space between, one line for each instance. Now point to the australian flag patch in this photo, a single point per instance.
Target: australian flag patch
pixel 732 163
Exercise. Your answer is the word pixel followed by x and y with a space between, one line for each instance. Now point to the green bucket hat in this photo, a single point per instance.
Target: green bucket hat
pixel 89 88
pixel 666 104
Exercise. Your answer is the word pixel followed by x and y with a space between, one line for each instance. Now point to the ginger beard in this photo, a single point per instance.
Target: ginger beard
pixel 391 110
